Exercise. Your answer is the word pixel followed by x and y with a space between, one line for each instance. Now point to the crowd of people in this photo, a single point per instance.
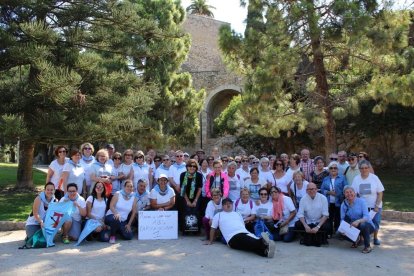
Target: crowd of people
pixel 245 201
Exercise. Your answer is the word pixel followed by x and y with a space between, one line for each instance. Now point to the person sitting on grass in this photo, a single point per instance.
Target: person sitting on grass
pixel 232 227
pixel 72 228
pixel 35 220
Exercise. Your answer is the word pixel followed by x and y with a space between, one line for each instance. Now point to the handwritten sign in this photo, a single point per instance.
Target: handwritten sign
pixel 157 225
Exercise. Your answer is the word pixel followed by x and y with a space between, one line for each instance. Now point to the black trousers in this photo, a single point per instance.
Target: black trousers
pixel 243 241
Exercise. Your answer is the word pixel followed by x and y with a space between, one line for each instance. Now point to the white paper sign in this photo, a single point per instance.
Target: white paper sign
pixel 157 225
pixel 348 230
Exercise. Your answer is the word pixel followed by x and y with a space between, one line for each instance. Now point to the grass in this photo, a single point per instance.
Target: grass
pixel 16 205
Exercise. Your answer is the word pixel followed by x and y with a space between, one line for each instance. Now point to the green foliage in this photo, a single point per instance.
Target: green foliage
pixel 227 122
pixel 200 7
pixel 307 63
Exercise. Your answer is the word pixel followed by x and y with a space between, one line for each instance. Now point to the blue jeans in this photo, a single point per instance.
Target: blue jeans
pixel 288 237
pixel 118 226
pixel 366 229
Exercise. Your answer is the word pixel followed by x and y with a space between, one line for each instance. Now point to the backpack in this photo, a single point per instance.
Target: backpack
pixel 237 203
pixel 35 241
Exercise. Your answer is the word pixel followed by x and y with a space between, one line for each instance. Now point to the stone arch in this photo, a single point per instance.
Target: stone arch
pixel 217 100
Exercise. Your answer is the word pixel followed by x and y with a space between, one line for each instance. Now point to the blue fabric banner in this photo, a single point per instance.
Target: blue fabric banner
pixel 90 226
pixel 56 215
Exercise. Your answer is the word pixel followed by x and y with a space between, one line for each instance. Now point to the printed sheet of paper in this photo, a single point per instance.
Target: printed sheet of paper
pixel 348 230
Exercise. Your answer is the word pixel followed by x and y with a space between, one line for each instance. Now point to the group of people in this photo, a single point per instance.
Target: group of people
pixel 247 201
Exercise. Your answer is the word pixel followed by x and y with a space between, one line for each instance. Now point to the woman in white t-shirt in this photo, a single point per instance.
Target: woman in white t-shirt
pixel 264 211
pixel 213 207
pixel 74 172
pixel 281 178
pixel 254 183
pixel 54 173
pixel 246 208
pixel 96 208
pixel 297 189
pixel 162 196
pixel 284 214
pixel 265 172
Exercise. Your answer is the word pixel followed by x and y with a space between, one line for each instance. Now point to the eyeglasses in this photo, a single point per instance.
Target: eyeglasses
pixel 165 160
pixel 210 159
pixel 263 194
pixel 117 158
pixel 334 159
pixel 311 189
pixel 62 151
pixel 192 166
pixel 275 192
pixel 351 159
pixel 333 168
pixel 72 191
pixel 87 148
pixel 179 155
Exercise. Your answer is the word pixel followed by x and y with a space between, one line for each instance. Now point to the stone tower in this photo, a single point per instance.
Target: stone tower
pixel 208 71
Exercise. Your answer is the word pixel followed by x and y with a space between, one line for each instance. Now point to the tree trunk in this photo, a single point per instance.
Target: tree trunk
pixel 322 87
pixel 25 169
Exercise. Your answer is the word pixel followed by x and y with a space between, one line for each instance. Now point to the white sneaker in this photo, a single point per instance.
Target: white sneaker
pixel 112 239
pixel 271 246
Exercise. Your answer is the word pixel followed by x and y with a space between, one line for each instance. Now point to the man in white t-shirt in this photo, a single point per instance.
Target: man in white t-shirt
pixel 175 171
pixel 236 235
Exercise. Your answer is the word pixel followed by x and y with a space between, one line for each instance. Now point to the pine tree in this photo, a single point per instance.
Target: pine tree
pixel 305 63
pixel 72 71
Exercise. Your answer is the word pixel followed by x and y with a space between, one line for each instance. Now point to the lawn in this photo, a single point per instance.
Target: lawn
pixel 15 205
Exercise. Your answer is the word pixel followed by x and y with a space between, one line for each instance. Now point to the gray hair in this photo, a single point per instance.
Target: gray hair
pixel 232 164
pixel 348 187
pixel 364 162
pixel 264 159
pixel 333 163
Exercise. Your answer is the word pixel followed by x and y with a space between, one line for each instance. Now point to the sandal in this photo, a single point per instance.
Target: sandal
pixel 354 245
pixel 65 239
pixel 367 250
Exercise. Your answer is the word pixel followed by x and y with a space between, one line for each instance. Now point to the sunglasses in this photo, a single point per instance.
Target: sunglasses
pixel 238 162
pixel 179 155
pixel 165 160
pixel 87 148
pixel 139 157
pixel 334 159
pixel 245 161
pixel 62 151
pixel 263 194
pixel 210 159
pixel 117 158
pixel 127 154
pixel 333 168
pixel 361 156
pixel 255 162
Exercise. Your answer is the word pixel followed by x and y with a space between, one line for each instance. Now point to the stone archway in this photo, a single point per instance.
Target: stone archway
pixel 217 100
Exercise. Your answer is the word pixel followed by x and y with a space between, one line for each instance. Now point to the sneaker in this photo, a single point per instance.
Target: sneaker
pixel 377 242
pixel 112 239
pixel 65 240
pixel 271 246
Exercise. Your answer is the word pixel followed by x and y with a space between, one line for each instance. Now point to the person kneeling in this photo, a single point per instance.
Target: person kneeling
pixel 236 235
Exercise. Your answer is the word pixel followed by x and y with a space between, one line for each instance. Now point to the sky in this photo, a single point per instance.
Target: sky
pixel 231 12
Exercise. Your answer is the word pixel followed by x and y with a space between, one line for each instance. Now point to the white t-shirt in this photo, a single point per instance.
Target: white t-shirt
pixel 368 188
pixel 175 171
pixel 161 170
pixel 141 172
pixel 76 175
pixel 57 171
pixel 267 177
pixel 212 209
pixel 76 215
pixel 288 207
pixel 290 172
pixel 265 209
pixel 161 199
pixel 244 209
pixel 283 182
pixel 98 208
pixel 254 188
pixel 244 175
pixel 299 192
pixel 205 174
pixel 88 167
pixel 234 185
pixel 230 224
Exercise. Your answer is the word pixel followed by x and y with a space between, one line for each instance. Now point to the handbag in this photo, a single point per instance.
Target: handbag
pixel 35 241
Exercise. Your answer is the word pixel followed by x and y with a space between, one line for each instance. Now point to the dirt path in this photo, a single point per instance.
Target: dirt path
pixel 188 256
